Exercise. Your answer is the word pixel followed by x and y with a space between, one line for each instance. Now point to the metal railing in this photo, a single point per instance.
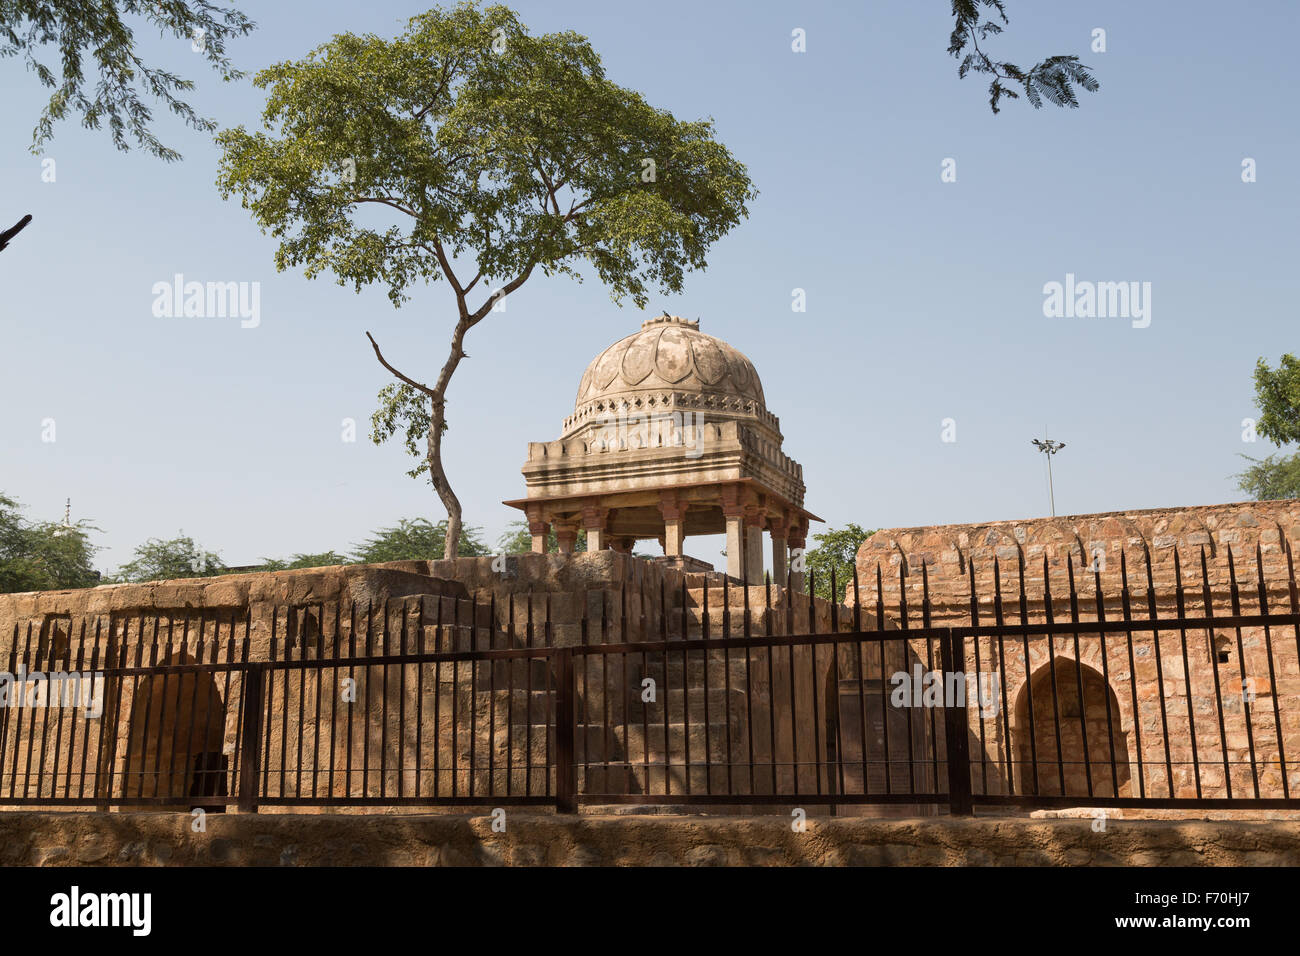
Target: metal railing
pixel 438 701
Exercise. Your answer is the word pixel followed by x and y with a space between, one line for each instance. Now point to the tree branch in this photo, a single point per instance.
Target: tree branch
pixel 17 228
pixel 385 363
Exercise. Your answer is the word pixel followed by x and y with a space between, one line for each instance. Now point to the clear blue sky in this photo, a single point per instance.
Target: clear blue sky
pixel 924 298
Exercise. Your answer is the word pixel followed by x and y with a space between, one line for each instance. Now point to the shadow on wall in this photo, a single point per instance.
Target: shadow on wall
pixel 1062 768
pixel 163 760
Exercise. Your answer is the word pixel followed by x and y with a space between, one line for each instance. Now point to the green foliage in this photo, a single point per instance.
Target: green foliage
pixel 835 549
pixel 43 555
pixel 164 560
pixel 1271 477
pixel 102 31
pixel 467 150
pixel 403 407
pixel 417 539
pixel 1277 395
pixel 1052 79
pixel 299 561
pixel 474 131
pixel 519 540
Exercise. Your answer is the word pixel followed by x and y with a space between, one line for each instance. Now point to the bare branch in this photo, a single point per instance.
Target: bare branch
pixel 14 230
pixel 409 381
pixel 386 201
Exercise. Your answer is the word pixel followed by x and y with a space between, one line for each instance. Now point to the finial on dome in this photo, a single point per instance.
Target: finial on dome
pixel 667 319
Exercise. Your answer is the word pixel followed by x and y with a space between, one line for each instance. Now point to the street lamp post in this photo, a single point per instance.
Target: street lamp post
pixel 1049 447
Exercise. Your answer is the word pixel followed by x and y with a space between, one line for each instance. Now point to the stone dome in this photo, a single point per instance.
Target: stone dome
pixel 671 355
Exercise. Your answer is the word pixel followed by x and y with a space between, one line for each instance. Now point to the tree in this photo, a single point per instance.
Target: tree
pixel 1277 396
pixel 1050 79
pixel 100 29
pixel 1271 477
pixel 166 560
pixel 323 559
pixel 837 550
pixel 519 540
pixel 97 27
pixel 417 539
pixel 43 555
pixel 493 155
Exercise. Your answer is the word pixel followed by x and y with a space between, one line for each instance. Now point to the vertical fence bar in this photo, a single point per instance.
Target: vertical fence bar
pixel 1105 679
pixel 1002 673
pixel 957 728
pixel 1214 664
pixel 1127 611
pixel 1078 674
pixel 1272 678
pixel 1245 679
pixel 250 745
pixel 1187 676
pixel 566 780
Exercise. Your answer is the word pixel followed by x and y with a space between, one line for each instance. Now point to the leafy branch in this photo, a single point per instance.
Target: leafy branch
pixel 1053 79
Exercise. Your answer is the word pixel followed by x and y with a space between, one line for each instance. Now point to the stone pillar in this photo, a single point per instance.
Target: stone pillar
pixel 539 528
pixel 623 544
pixel 566 533
pixel 754 553
pixel 733 510
pixel 798 540
pixel 735 544
pixel 674 515
pixel 593 522
pixel 778 528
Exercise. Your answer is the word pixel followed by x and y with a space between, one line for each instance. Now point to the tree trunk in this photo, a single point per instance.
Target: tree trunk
pixel 438 398
pixel 441 485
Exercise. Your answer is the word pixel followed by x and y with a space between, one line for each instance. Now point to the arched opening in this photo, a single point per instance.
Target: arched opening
pixel 1076 721
pixel 178 725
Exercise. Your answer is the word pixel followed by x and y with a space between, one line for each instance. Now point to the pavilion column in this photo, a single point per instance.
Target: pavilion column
pixel 623 544
pixel 735 545
pixel 753 567
pixel 798 540
pixel 674 515
pixel 593 522
pixel 539 528
pixel 566 533
pixel 733 510
pixel 779 528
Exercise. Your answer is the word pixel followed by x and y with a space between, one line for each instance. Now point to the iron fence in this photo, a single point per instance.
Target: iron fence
pixel 667 698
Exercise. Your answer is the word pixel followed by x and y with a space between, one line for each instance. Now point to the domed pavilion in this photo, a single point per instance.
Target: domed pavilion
pixel 670 437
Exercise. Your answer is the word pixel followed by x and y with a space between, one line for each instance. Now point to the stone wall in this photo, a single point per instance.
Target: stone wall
pixel 161 732
pixel 134 839
pixel 1173 560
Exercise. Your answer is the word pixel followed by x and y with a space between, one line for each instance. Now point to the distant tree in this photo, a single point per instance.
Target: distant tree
pixel 517 539
pixel 492 155
pixel 299 561
pixel 417 539
pixel 1271 477
pixel 1051 80
pixel 164 560
pixel 1277 396
pixel 835 549
pixel 43 555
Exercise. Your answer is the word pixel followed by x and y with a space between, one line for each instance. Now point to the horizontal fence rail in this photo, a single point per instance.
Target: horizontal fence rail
pixel 707 693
